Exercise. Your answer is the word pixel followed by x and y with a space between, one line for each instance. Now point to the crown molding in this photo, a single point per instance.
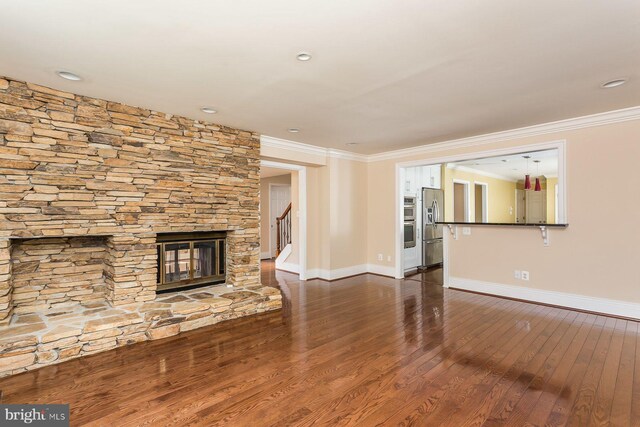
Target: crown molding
pixel 599 119
pixel 347 155
pixel 299 147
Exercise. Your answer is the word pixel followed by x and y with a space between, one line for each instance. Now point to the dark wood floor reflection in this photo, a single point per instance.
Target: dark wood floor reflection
pixel 432 275
pixel 362 351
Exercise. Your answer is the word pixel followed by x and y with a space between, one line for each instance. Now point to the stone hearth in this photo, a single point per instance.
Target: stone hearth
pixel 53 336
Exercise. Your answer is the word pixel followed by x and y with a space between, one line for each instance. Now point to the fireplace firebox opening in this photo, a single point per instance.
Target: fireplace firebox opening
pixel 187 260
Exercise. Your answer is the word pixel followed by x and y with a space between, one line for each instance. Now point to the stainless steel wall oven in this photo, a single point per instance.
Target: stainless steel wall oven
pixel 410 208
pixel 409 232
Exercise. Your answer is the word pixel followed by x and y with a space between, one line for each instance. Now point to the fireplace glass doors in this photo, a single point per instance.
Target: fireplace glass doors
pixel 190 259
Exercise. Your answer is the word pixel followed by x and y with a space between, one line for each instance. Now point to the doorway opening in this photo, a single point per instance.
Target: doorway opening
pixel 461 201
pixel 481 206
pixel 423 207
pixel 279 209
pixel 283 204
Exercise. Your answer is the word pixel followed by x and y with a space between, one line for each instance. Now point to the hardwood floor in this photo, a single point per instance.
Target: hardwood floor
pixel 366 350
pixel 432 275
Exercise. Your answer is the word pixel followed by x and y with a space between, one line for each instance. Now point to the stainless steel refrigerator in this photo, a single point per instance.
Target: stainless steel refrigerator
pixel 432 212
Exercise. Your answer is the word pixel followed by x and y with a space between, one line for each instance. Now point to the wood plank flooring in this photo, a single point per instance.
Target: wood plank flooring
pixel 367 350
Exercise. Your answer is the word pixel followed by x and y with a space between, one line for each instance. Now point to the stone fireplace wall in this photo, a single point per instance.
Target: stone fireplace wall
pixel 130 271
pixel 51 272
pixel 72 165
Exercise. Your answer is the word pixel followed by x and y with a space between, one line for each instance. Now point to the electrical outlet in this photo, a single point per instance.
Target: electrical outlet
pixel 517 274
pixel 525 275
pixel 466 231
pixel 389 258
pixel 380 258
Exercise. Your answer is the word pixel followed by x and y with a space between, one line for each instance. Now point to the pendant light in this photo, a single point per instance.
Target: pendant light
pixel 527 177
pixel 538 186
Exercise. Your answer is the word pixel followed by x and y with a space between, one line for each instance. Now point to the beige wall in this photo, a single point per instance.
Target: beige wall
pixel 594 256
pixel 381 213
pixel 501 195
pixel 265 208
pixel 348 213
pixel 318 242
pixel 336 215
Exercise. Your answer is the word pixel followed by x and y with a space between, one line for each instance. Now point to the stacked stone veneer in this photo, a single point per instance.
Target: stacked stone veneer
pixel 86 185
pixel 6 300
pixel 72 166
pixel 49 273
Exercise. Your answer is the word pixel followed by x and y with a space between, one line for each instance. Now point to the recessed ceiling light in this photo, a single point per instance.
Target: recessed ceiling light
pixel 69 76
pixel 614 83
pixel 293 130
pixel 208 110
pixel 303 56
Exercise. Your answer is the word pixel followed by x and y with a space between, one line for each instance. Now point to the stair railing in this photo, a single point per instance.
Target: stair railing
pixel 283 230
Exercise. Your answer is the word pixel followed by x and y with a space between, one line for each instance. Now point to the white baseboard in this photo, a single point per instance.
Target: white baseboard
pixel 315 273
pixel 265 255
pixel 381 270
pixel 580 302
pixel 288 266
pixel 339 273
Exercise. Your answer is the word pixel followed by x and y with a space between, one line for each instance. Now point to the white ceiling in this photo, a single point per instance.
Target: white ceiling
pixel 514 167
pixel 384 74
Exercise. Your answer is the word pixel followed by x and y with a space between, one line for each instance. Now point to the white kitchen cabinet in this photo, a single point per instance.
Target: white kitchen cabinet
pixel 421 176
pixel 411 181
pixel 430 176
